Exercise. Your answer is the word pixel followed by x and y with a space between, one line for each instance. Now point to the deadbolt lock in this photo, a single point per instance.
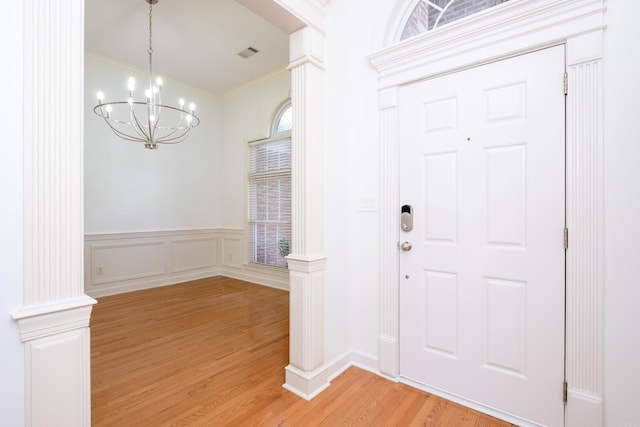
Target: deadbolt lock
pixel 406 218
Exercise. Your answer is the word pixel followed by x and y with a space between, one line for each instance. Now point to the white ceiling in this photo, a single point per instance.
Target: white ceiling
pixel 195 42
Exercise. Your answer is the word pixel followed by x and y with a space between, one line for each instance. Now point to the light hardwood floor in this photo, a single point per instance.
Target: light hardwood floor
pixel 212 352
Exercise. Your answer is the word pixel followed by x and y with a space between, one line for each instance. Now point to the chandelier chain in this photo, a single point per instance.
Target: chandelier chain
pixel 150 39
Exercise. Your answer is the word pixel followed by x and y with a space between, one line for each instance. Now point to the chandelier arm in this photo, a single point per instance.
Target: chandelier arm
pixel 157 110
pixel 174 129
pixel 182 130
pixel 176 139
pixel 180 127
pixel 195 120
pixel 121 134
pixel 109 120
pixel 151 126
pixel 168 138
pixel 138 127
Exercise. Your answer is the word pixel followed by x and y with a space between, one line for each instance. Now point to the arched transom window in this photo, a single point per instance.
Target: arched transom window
pixel 430 14
pixel 282 120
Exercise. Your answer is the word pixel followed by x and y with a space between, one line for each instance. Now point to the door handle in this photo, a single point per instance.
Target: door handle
pixel 405 246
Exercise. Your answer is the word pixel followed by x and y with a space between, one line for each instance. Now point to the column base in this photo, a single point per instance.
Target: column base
pixel 583 409
pixel 306 384
pixel 57 362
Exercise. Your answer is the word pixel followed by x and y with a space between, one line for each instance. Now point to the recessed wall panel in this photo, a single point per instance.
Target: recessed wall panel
pixel 440 115
pixel 127 261
pixel 504 190
pixel 441 313
pixel 193 254
pixel 232 252
pixel 505 325
pixel 441 195
pixel 506 103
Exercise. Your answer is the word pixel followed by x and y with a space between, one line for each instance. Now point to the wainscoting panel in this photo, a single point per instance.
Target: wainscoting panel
pixel 125 262
pixel 193 254
pixel 232 249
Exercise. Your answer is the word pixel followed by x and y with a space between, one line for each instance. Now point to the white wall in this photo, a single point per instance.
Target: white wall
pixel 246 116
pixel 12 367
pixel 351 188
pixel 129 188
pixel 622 215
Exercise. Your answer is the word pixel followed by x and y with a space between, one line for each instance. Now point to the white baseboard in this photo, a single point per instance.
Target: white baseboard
pixel 147 283
pixel 267 277
pixel 309 384
pixel 125 262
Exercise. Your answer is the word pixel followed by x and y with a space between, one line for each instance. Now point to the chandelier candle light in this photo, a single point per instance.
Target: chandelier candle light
pixel 140 121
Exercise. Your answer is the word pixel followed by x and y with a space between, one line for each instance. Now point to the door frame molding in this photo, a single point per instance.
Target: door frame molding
pixel 510 29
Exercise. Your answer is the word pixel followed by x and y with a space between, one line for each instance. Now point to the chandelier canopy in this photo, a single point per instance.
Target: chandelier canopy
pixel 149 122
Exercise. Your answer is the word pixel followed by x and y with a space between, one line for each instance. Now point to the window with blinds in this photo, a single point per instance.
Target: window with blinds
pixel 269 201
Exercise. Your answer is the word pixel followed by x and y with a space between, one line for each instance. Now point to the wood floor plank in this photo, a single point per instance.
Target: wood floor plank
pixel 212 352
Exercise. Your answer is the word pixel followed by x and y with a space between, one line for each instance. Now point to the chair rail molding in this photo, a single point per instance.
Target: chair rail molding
pixel 510 29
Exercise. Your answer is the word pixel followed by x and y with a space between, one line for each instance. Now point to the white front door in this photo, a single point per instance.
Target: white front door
pixel 482 288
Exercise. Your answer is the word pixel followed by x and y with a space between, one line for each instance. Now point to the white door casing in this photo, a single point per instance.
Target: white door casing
pixel 506 30
pixel 482 289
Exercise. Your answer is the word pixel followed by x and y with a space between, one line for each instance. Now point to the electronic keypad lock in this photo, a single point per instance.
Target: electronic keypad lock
pixel 406 218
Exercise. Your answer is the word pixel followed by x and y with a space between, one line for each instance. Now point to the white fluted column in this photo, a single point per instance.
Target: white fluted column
pixel 585 257
pixel 389 214
pixel 307 259
pixel 54 319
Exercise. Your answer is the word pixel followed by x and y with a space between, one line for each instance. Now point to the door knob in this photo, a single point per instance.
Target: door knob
pixel 405 246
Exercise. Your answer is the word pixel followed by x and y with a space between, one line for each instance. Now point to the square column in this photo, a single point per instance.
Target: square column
pixel 54 318
pixel 304 375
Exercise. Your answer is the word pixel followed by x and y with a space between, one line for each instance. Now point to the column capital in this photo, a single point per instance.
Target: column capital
pixel 306 264
pixel 50 319
pixel 388 98
pixel 306 46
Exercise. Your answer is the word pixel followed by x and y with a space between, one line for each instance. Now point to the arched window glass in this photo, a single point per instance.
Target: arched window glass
pixel 269 193
pixel 283 119
pixel 431 14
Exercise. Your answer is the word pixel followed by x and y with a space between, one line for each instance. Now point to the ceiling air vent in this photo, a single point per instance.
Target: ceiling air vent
pixel 250 51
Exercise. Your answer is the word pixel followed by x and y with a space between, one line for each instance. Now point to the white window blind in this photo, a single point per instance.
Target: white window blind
pixel 269 201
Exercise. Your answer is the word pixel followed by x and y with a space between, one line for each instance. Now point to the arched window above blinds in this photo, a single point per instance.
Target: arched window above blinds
pixel 282 119
pixel 431 14
pixel 269 193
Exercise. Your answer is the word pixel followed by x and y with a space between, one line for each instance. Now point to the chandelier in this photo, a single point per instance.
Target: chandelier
pixel 149 122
